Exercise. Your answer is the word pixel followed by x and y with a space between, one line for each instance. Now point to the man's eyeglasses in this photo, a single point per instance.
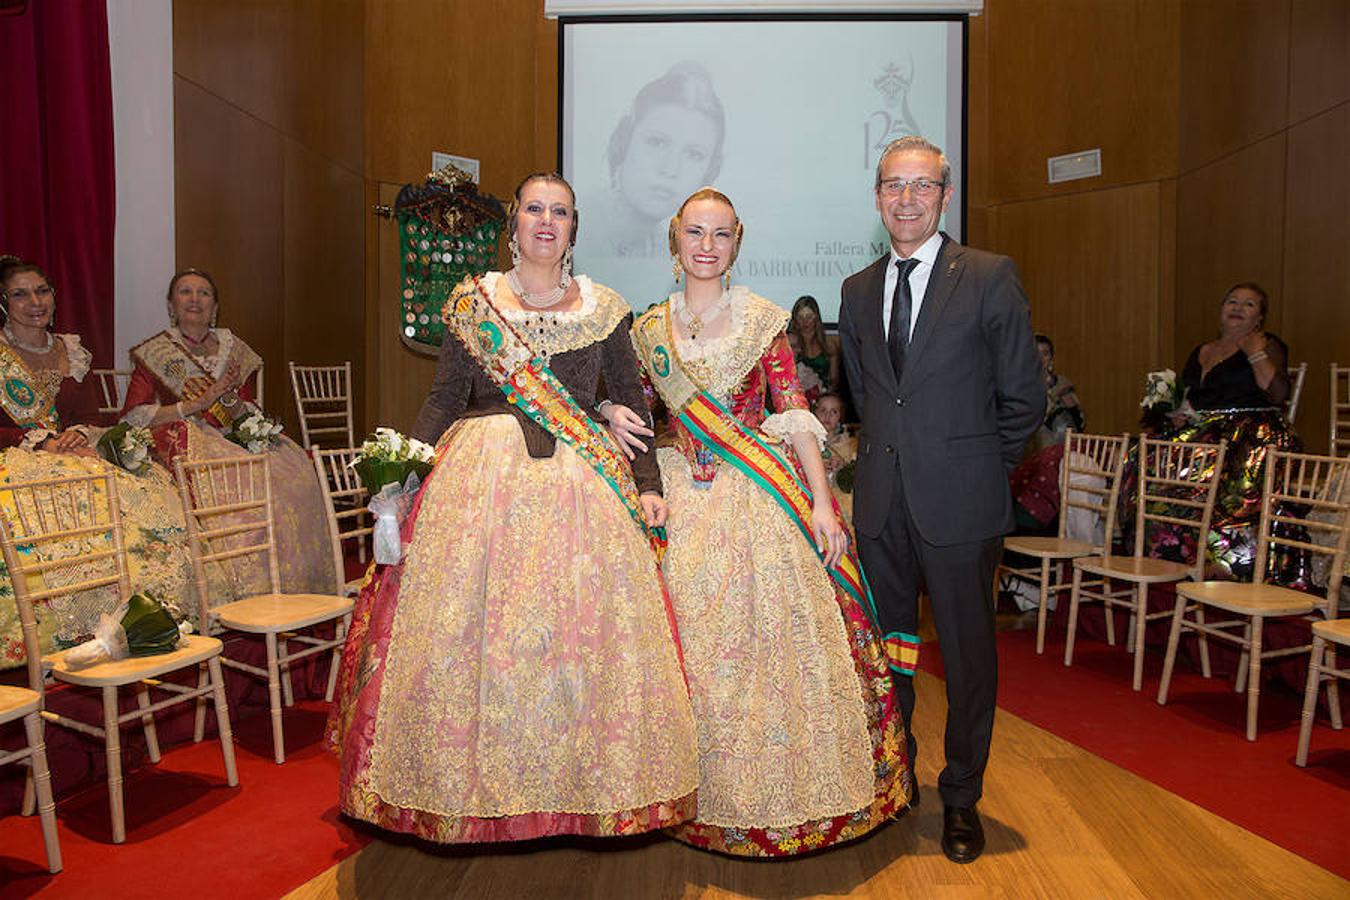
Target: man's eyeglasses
pixel 41 292
pixel 922 187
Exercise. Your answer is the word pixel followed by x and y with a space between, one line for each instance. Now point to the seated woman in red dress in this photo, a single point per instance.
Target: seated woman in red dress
pixel 190 384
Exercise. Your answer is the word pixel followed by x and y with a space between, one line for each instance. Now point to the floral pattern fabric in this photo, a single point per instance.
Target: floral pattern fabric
pixel 154 534
pixel 800 744
pixel 517 675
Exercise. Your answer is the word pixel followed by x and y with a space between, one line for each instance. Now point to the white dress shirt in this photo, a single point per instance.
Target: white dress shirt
pixel 927 255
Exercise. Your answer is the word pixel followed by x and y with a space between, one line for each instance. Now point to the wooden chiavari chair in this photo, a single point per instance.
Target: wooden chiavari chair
pixel 112 385
pixel 228 506
pixel 323 399
pixel 65 539
pixel 1171 476
pixel 1297 375
pixel 21 703
pixel 1303 494
pixel 1089 480
pixel 345 505
pixel 1340 410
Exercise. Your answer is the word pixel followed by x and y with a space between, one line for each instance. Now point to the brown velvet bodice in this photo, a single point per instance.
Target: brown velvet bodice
pixel 604 370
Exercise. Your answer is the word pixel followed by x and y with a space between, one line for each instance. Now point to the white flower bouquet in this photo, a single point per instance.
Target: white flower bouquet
pixel 126 447
pixel 1162 392
pixel 255 432
pixel 392 467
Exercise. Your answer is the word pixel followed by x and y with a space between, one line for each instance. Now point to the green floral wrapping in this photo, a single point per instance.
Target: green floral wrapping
pixel 149 628
pixel 376 473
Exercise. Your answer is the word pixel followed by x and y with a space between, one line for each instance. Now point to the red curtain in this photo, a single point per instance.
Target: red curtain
pixel 57 185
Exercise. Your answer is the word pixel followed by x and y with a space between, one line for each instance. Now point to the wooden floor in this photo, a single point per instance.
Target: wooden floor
pixel 1060 823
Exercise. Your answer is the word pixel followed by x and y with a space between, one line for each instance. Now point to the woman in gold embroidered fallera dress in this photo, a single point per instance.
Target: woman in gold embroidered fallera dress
pixel 50 426
pixel 800 744
pixel 188 385
pixel 517 675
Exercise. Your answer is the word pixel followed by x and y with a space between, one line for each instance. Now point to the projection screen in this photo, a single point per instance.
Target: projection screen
pixel 787 116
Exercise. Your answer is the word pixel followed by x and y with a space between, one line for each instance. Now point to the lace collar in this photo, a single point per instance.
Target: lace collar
pixel 722 363
pixel 551 333
pixel 215 362
pixel 78 358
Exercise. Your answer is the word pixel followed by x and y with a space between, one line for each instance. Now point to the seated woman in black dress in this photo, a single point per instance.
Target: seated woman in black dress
pixel 1236 386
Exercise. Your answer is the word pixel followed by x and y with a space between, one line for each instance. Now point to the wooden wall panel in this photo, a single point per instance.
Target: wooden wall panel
pixel 1234 75
pixel 1316 289
pixel 324 268
pixel 1091 264
pixel 1320 38
pixel 977 124
pixel 325 83
pixel 1230 228
pixel 235 50
pixel 270 131
pixel 476 78
pixel 229 189
pixel 1067 76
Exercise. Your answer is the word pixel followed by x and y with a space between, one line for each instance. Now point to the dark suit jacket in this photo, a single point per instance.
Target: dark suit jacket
pixel 970 396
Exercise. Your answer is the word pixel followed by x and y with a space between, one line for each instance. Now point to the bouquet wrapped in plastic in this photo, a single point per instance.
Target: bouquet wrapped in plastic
pixel 1163 393
pixel 392 468
pixel 139 627
pixel 255 432
pixel 126 447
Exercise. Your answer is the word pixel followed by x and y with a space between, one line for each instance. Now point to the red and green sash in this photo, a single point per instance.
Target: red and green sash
pixel 529 385
pixel 22 396
pixel 753 454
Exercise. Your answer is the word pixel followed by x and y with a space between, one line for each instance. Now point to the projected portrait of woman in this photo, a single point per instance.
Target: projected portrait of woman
pixel 668 143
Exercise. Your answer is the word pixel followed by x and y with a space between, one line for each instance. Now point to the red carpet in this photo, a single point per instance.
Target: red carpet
pixel 1194 746
pixel 188 834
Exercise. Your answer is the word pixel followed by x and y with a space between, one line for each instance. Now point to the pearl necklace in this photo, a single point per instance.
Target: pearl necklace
pixel 696 322
pixel 540 299
pixel 15 342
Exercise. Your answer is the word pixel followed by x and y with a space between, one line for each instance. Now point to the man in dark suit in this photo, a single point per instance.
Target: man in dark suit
pixel 938 349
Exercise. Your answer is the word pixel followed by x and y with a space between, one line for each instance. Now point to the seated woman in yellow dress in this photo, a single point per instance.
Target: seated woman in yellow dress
pixel 49 428
pixel 190 383
pixel 800 744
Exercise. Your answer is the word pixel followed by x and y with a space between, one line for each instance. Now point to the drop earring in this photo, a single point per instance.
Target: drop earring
pixel 514 245
pixel 676 269
pixel 567 265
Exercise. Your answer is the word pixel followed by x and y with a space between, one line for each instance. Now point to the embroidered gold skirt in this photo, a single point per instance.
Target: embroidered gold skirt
pixel 516 676
pixel 800 744
pixel 154 534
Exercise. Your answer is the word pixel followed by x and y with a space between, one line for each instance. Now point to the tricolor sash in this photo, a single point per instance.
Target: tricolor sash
pixel 753 454
pixel 523 376
pixel 22 395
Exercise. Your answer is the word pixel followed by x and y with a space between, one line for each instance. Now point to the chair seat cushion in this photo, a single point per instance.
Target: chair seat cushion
pixel 1249 599
pixel 1134 568
pixel 1047 547
pixel 273 613
pixel 16 702
pixel 196 649
pixel 1337 631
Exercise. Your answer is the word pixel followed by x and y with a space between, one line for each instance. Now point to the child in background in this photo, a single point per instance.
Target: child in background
pixel 840 446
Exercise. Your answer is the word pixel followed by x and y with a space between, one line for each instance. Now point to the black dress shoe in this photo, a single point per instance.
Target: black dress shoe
pixel 962 834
